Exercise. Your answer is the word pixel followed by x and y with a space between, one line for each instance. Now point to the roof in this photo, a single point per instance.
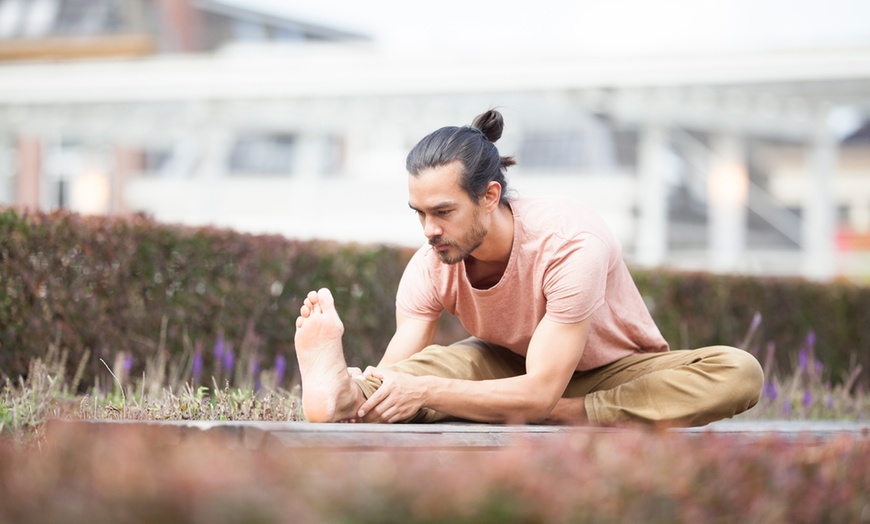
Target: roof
pixel 775 94
pixel 254 13
pixel 841 75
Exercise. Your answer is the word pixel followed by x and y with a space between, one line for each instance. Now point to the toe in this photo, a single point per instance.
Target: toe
pixel 324 298
pixel 311 298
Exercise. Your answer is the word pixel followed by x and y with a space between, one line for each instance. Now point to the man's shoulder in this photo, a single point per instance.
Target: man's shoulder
pixel 551 206
pixel 549 201
pixel 555 214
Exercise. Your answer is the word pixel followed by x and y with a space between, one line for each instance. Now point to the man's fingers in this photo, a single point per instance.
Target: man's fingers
pixel 376 414
pixel 394 415
pixel 384 404
pixel 372 371
pixel 373 401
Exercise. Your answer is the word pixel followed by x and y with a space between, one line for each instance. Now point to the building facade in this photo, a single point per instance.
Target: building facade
pixel 752 163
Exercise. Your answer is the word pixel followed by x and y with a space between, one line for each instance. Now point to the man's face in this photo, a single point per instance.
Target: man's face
pixel 450 219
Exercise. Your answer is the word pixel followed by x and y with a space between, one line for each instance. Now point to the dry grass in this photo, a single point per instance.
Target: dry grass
pixel 805 392
pixel 171 390
pixel 47 393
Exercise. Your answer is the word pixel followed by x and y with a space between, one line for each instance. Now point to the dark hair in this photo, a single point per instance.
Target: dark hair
pixel 473 146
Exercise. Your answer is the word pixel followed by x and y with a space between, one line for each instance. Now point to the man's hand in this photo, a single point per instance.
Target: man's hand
pixel 399 398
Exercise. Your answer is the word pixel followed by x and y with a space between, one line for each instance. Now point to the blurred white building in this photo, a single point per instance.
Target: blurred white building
pixel 746 162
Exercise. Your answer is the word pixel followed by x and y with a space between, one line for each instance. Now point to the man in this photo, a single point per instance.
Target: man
pixel 560 331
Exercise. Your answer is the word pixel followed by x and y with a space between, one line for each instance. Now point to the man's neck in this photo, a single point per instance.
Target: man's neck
pixel 487 265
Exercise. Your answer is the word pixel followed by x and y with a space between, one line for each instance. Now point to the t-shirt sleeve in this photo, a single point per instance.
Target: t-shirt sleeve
pixel 417 296
pixel 576 279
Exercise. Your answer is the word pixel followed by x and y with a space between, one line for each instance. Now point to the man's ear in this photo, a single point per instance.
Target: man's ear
pixel 492 196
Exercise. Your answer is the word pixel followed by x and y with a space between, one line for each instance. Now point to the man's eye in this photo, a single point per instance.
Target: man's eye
pixel 445 212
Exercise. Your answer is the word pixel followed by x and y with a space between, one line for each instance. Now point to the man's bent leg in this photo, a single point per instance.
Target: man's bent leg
pixel 685 387
pixel 469 359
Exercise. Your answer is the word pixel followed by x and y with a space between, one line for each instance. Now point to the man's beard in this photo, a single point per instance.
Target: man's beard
pixel 471 241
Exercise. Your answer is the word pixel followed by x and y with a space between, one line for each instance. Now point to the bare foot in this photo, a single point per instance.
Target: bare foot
pixel 328 393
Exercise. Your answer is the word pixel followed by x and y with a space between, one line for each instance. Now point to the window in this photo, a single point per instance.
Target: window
pixel 552 150
pixel 263 154
pixel 156 160
pixel 587 144
pixel 249 31
pixel 88 17
pixel 41 18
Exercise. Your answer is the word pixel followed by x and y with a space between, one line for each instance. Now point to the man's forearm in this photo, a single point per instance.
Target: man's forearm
pixel 395 353
pixel 519 399
pixel 410 338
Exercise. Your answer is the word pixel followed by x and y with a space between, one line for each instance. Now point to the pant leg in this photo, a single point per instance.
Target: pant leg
pixel 469 359
pixel 684 387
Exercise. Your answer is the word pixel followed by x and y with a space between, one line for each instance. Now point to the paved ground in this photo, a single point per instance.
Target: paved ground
pixel 480 436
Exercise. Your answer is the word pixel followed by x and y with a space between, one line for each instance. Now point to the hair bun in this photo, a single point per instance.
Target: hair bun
pixel 491 124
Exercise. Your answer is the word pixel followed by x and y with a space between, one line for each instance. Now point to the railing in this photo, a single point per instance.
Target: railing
pixel 698 157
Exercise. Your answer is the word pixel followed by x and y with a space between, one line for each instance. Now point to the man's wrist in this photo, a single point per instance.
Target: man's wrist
pixel 429 386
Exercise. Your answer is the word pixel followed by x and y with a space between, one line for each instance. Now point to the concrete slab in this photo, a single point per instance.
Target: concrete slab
pixel 451 436
pixel 813 428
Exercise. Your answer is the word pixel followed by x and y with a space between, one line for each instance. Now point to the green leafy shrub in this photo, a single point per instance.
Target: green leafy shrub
pixel 109 286
pixel 698 309
pixel 137 287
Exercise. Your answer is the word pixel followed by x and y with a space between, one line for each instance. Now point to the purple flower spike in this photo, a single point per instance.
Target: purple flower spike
pixel 803 359
pixel 811 339
pixel 229 360
pixel 770 391
pixel 756 321
pixel 808 398
pixel 128 365
pixel 196 372
pixel 280 369
pixel 219 349
pixel 254 372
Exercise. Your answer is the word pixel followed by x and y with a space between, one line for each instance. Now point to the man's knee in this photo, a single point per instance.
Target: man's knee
pixel 742 374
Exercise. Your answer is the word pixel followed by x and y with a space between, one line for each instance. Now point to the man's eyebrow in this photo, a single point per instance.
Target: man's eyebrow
pixel 437 207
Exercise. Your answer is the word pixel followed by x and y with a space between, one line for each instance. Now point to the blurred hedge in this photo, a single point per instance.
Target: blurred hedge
pixel 831 321
pixel 108 285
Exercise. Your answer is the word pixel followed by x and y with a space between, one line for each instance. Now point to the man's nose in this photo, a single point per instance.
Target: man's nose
pixel 431 229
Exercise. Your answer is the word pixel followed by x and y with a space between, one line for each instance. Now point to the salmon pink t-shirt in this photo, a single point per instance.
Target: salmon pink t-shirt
pixel 565 265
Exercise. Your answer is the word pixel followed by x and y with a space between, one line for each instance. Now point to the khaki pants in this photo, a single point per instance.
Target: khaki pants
pixel 684 387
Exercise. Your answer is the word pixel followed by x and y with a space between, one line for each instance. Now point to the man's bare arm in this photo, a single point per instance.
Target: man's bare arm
pixel 412 335
pixel 554 352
